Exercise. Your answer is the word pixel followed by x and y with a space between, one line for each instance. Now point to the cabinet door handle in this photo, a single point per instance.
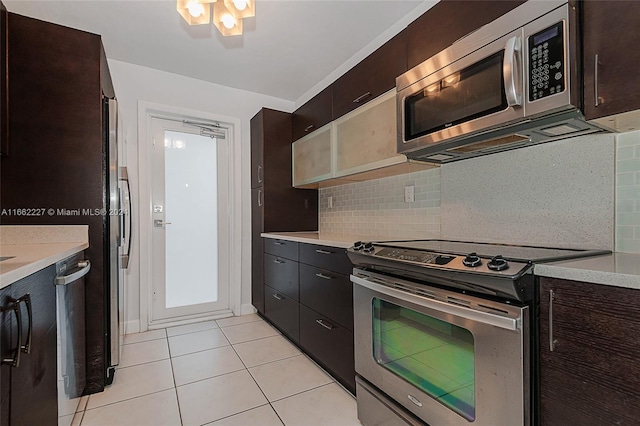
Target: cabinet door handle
pixel 277 296
pixel 595 80
pixel 325 325
pixel 15 360
pixel 259 197
pixel 26 348
pixel 552 341
pixel 309 127
pixel 319 251
pixel 323 276
pixel 259 174
pixel 278 261
pixel 361 97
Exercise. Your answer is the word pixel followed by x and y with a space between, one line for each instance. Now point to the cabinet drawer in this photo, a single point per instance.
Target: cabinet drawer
pixel 329 343
pixel 282 248
pixel 330 258
pixel 283 312
pixel 328 293
pixel 281 274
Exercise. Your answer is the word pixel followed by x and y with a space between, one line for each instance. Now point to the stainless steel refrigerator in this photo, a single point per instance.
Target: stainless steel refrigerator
pixel 118 243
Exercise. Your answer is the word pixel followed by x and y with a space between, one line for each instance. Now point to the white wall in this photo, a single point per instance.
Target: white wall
pixel 134 83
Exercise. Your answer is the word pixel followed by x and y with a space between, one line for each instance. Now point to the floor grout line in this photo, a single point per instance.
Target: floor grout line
pixel 128 399
pixel 245 368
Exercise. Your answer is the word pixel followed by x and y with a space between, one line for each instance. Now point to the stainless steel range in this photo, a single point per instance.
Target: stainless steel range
pixel 444 331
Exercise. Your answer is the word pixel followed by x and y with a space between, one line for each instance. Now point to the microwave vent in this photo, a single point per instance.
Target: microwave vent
pixel 440 157
pixel 562 129
pixel 490 144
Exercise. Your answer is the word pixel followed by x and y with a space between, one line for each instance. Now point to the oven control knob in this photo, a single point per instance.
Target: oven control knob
pixel 472 260
pixel 368 247
pixel 498 263
pixel 357 246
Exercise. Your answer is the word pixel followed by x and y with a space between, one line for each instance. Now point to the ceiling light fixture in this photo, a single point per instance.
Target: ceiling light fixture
pixel 195 12
pixel 241 8
pixel 227 14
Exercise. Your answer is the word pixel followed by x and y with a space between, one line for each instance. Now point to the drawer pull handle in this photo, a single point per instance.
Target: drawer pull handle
pixel 277 296
pixel 278 261
pixel 361 97
pixel 324 324
pixel 309 127
pixel 278 243
pixel 323 276
pixel 323 251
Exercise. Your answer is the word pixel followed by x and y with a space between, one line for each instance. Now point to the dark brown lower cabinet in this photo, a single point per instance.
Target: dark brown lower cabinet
pixel 327 292
pixel 311 302
pixel 283 312
pixel 589 354
pixel 29 391
pixel 329 344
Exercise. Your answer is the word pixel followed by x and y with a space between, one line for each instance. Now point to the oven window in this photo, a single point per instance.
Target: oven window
pixel 435 356
pixel 475 91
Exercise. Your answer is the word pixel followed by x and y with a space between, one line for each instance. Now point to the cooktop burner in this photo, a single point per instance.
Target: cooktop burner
pixel 497 269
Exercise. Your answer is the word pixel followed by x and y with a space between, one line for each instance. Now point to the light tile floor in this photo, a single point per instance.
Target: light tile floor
pixel 235 371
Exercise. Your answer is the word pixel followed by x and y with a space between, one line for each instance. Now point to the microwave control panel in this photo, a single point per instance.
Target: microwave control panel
pixel 546 62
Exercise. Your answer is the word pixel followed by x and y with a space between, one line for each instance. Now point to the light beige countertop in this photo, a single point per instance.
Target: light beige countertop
pixel 322 239
pixel 35 247
pixel 616 269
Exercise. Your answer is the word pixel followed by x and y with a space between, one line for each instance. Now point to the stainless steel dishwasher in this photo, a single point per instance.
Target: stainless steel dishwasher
pixel 70 303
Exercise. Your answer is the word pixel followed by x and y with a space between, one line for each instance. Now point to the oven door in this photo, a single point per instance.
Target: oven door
pixel 448 358
pixel 481 90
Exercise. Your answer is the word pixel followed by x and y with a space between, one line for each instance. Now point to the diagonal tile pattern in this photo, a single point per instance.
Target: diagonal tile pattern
pixel 235 371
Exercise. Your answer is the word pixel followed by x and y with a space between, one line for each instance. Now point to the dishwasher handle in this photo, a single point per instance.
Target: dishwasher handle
pixel 81 269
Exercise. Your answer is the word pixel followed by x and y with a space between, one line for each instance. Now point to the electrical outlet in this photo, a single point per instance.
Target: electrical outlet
pixel 409 194
pixel 330 202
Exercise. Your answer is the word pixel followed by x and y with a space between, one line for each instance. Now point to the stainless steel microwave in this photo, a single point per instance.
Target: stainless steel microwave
pixel 514 82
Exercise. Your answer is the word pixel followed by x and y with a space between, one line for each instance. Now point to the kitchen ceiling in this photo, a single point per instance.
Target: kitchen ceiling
pixel 286 49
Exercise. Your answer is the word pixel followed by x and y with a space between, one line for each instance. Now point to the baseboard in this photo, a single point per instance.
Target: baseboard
pixel 247 308
pixel 131 327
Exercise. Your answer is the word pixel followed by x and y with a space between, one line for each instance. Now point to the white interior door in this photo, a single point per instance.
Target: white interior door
pixel 190 222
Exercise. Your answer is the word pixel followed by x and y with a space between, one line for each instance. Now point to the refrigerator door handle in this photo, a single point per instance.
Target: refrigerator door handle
pixel 124 258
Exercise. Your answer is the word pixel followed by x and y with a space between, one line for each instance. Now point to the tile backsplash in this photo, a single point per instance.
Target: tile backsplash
pixel 555 194
pixel 378 208
pixel 628 192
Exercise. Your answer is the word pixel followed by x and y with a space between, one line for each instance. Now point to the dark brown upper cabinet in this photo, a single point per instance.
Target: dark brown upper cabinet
pixel 313 114
pixel 372 77
pixel 447 22
pixel 611 57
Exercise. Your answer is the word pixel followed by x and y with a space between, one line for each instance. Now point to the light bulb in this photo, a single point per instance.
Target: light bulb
pixel 228 21
pixel 240 4
pixel 195 9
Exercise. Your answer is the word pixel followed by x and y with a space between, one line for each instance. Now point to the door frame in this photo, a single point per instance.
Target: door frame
pixel 146 112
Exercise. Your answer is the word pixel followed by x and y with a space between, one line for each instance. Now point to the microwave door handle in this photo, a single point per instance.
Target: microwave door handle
pixel 511 71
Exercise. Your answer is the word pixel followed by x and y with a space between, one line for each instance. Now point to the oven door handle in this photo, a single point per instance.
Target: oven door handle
pixel 447 308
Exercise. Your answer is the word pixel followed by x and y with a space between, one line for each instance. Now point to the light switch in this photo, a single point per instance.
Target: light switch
pixel 409 194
